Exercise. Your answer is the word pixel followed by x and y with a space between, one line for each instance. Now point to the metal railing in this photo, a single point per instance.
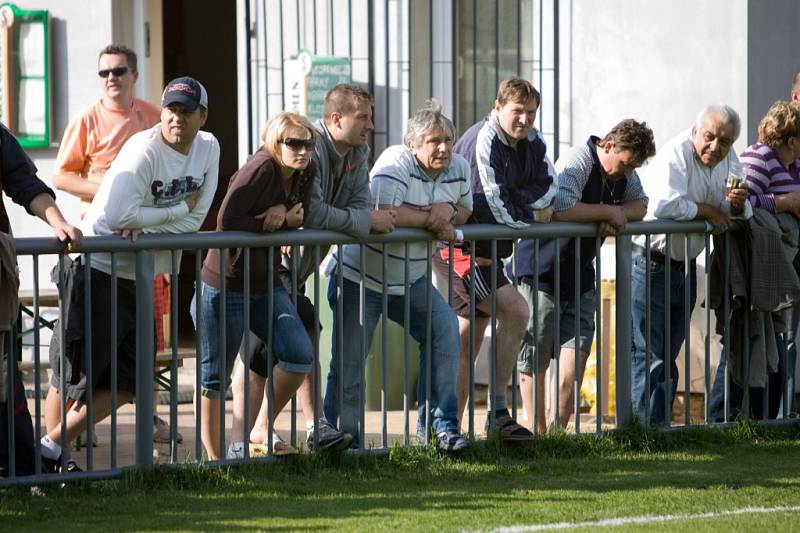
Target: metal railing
pixel 313 241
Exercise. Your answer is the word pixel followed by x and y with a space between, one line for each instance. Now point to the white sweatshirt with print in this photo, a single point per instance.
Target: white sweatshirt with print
pixel 146 188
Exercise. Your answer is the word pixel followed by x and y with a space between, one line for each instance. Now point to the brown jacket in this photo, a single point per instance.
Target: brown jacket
pixel 253 189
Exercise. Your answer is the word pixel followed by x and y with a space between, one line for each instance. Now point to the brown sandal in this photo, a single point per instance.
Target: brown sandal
pixel 508 428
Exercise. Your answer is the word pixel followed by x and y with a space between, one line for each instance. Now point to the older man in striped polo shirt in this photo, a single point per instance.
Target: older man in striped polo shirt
pixel 429 188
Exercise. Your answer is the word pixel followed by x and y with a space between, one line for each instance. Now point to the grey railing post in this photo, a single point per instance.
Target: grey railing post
pixel 623 322
pixel 144 358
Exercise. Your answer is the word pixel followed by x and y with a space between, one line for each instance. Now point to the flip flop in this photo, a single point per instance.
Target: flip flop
pixel 279 447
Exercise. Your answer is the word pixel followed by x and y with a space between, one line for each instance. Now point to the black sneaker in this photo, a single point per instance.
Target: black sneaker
pixel 50 466
pixel 329 438
pixel 72 467
pixel 451 440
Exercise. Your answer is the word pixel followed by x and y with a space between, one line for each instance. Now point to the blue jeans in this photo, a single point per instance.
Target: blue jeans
pixel 716 400
pixel 290 342
pixel 791 362
pixel 659 412
pixel 444 350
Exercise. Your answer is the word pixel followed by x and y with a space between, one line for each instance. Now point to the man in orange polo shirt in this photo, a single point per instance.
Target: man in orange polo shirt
pixel 93 138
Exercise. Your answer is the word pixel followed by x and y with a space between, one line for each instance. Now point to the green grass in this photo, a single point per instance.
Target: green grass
pixel 560 478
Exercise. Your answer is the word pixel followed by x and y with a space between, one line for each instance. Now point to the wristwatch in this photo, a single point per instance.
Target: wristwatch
pixel 455 211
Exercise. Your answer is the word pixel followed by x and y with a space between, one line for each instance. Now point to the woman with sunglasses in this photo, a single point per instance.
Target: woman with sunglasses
pixel 266 194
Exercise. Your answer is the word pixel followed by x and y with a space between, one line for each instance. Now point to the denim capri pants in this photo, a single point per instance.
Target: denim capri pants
pixel 291 345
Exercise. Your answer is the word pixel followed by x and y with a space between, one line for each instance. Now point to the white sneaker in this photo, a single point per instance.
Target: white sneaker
pixel 235 451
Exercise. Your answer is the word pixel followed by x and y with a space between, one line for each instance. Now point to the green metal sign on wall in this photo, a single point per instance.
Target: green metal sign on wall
pixel 308 78
pixel 25 74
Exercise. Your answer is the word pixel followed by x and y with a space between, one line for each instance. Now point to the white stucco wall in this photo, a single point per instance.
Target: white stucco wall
pixel 660 62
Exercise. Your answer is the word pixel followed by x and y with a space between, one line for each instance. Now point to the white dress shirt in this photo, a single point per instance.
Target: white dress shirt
pixel 676 181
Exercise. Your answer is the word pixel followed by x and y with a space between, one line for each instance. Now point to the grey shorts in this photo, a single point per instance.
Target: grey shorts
pixel 540 328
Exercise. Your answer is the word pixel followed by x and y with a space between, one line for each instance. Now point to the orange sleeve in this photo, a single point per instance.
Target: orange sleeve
pixel 72 152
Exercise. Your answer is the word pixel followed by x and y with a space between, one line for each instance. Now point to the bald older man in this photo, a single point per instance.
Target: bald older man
pixel 685 181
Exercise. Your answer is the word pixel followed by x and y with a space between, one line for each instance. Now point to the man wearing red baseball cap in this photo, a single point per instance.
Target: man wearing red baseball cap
pixel 162 181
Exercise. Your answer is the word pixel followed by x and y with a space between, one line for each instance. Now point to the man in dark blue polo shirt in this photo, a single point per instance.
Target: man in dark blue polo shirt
pixel 597 183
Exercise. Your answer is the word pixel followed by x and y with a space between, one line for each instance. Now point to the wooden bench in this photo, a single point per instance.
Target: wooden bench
pixel 48 298
pixel 163 363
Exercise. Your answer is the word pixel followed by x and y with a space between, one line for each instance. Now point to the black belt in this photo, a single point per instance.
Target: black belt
pixel 658 257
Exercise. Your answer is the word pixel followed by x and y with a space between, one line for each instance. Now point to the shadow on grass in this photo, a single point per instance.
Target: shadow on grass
pixel 321 492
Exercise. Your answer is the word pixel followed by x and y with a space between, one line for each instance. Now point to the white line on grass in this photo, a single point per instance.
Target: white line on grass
pixel 646 519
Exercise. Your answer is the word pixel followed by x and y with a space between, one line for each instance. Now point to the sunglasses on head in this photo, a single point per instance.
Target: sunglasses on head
pixel 297 144
pixel 116 71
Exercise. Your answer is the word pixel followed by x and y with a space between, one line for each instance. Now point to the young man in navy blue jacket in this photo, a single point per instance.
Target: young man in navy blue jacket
pixel 513 183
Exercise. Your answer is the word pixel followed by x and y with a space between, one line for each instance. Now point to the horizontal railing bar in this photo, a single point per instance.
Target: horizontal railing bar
pixel 307 237
pixel 45 479
pixel 729 425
